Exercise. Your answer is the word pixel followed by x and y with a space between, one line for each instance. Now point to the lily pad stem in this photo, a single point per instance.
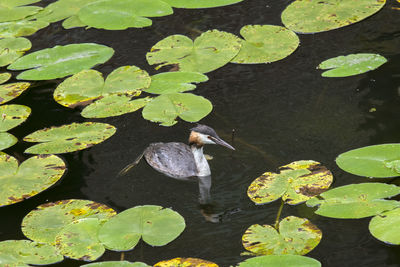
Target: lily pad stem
pixel 276 225
pixel 122 256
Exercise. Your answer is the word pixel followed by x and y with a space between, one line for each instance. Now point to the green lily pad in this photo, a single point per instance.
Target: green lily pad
pixel 46 221
pixel 88 85
pixel 156 225
pixel 123 14
pixel 78 240
pixel 7 140
pixel 19 252
pixel 61 61
pixel 5 76
pixel 33 176
pixel 376 161
pixel 69 138
pixel 295 183
pixel 12 90
pixel 174 82
pixel 211 50
pixel 356 200
pixel 309 16
pixel 344 66
pixel 294 236
pixel 280 260
pixel 116 264
pixel 16 9
pixel 21 28
pixel 385 227
pixel 12 116
pixel 265 44
pixel 12 49
pixel 185 262
pixel 200 4
pixel 164 109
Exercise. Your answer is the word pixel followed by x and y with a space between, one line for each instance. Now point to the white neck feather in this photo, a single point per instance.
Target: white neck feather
pixel 203 168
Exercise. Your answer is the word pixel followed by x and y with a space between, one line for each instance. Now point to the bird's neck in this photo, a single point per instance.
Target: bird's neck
pixel 202 165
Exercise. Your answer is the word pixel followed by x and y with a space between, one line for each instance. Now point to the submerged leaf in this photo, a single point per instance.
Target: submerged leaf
pixel 280 260
pixel 200 4
pixel 12 116
pixel 12 90
pixel 192 262
pixel 386 227
pixel 12 48
pixel 7 140
pixel 21 28
pixel 174 82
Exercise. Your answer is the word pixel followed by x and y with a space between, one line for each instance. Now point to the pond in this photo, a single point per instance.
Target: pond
pixel 279 113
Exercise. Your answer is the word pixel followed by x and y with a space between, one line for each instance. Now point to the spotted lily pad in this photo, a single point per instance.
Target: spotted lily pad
pixel 33 176
pixel 294 236
pixel 156 225
pixel 356 200
pixel 265 44
pixel 385 227
pixel 5 76
pixel 46 221
pixel 61 61
pixel 116 264
pixel 12 48
pixel 12 90
pixel 68 138
pixel 20 252
pixel 309 16
pixel 12 116
pixel 281 260
pixel 174 82
pixel 211 50
pixel 165 108
pixel 122 14
pixel 20 28
pixel 193 262
pixel 378 161
pixel 7 140
pixel 200 4
pixel 295 183
pixel 17 9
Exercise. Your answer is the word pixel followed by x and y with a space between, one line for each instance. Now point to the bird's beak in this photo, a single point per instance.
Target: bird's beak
pixel 221 142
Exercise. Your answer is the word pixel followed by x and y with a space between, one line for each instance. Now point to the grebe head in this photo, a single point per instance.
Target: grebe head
pixel 203 134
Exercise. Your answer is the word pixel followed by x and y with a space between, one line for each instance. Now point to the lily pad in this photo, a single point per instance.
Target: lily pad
pixel 265 44
pixel 356 200
pixel 174 82
pixel 61 61
pixel 7 140
pixel 211 50
pixel 16 9
pixel 123 14
pixel 5 76
pixel 46 221
pixel 69 138
pixel 12 90
pixel 376 161
pixel 280 260
pixel 200 4
pixel 12 49
pixel 294 236
pixel 164 109
pixel 19 252
pixel 310 16
pixel 116 264
pixel 385 227
pixel 12 116
pixel 21 28
pixel 78 240
pixel 156 225
pixel 33 176
pixel 295 183
pixel 344 66
pixel 192 262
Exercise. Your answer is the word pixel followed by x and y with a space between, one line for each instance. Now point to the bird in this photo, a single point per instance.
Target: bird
pixel 179 160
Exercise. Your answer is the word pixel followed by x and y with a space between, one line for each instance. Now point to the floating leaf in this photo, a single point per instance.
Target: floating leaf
pixel 46 221
pixel 21 28
pixel 356 200
pixel 309 16
pixel 7 140
pixel 192 262
pixel 164 109
pixel 123 14
pixel 68 138
pixel 5 76
pixel 78 240
pixel 200 4
pixel 281 260
pixel 385 227
pixel 265 44
pixel 28 179
pixel 12 48
pixel 211 50
pixel 16 9
pixel 116 264
pixel 12 90
pixel 19 252
pixel 174 82
pixel 296 183
pixel 61 61
pixel 371 161
pixel 12 116
pixel 156 225
pixel 294 236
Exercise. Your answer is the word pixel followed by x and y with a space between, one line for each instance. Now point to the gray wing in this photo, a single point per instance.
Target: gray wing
pixel 172 159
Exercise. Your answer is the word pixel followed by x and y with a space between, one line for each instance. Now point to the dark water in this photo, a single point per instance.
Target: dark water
pixel 281 112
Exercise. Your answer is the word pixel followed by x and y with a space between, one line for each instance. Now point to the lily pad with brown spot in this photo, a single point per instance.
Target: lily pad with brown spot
pixel 295 183
pixel 12 90
pixel 43 223
pixel 12 115
pixel 183 262
pixel 294 236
